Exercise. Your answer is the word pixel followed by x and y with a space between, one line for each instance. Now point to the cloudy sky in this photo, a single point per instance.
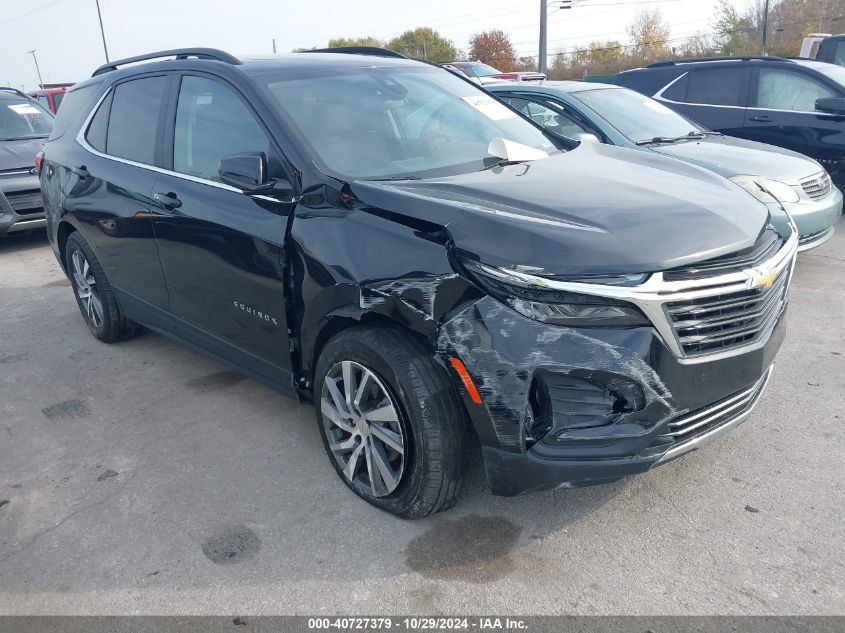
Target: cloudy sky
pixel 66 35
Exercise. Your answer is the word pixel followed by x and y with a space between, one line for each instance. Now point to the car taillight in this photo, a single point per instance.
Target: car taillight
pixel 39 158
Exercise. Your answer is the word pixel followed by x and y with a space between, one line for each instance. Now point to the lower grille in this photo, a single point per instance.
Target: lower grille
pixel 26 202
pixel 729 320
pixel 702 420
pixel 818 187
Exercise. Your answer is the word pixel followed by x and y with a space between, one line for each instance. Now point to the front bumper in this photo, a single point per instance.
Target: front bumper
pixel 815 220
pixel 21 205
pixel 565 407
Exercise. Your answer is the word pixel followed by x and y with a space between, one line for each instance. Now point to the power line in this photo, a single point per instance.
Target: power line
pixel 29 13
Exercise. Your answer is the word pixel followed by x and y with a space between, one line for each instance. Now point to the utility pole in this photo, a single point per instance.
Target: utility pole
pixel 544 34
pixel 37 69
pixel 274 46
pixel 102 31
pixel 765 47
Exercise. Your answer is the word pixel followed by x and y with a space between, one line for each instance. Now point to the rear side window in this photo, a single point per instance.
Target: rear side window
pixel 716 86
pixel 133 122
pixel 212 122
pixel 72 104
pixel 96 135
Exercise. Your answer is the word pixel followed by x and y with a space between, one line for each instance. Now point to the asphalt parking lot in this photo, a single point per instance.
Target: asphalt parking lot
pixel 143 478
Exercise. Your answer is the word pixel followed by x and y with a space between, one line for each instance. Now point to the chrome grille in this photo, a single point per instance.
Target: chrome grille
pixel 764 249
pixel 718 322
pixel 818 187
pixel 714 415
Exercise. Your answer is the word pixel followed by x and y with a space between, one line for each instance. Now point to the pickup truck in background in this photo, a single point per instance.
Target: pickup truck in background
pixel 824 48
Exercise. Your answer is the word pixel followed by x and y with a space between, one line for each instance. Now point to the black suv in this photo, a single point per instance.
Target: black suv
pixel 24 126
pixel 384 238
pixel 798 104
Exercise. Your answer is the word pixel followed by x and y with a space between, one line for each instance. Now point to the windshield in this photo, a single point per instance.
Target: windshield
pixel 637 117
pixel 398 122
pixel 22 119
pixel 480 70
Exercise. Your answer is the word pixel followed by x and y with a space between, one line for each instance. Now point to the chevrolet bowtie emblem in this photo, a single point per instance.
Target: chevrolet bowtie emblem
pixel 764 280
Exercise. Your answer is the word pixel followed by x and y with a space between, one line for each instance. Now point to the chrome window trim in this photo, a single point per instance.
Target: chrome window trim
pixel 652 295
pixel 80 138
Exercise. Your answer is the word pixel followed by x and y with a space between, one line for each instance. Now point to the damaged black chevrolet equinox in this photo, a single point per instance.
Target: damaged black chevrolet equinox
pixel 386 239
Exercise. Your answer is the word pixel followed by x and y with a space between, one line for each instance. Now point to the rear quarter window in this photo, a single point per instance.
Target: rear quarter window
pixel 74 102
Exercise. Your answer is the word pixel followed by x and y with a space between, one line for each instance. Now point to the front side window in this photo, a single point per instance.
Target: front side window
pixel 212 122
pixel 787 90
pixel 716 86
pixel 133 122
pixel 637 117
pixel 550 118
pixel 23 119
pixel 405 121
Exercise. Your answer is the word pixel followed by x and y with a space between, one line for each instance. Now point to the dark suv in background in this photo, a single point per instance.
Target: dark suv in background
pixel 385 239
pixel 24 126
pixel 798 104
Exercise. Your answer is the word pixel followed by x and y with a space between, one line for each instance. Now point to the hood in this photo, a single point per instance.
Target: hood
pixel 18 154
pixel 729 157
pixel 596 209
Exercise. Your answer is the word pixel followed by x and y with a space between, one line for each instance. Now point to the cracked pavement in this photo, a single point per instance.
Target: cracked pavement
pixel 142 478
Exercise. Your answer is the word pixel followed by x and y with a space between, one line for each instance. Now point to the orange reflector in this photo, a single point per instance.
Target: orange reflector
pixel 465 378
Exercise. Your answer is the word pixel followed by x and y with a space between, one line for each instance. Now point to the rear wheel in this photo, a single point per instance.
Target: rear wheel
pixel 94 294
pixel 391 423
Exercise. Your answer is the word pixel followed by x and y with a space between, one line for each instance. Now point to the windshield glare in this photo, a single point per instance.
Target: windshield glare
pixel 20 119
pixel 398 122
pixel 637 117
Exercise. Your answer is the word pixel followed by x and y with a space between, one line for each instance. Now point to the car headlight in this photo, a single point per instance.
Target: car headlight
pixel 766 190
pixel 557 307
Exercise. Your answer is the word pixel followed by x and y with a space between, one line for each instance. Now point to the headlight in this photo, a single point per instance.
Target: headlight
pixel 766 190
pixel 557 307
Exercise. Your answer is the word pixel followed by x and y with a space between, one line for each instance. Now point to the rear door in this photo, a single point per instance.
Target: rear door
pixel 109 179
pixel 714 96
pixel 784 113
pixel 222 250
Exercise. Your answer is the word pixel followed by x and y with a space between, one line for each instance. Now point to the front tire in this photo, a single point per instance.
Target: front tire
pixel 94 294
pixel 392 425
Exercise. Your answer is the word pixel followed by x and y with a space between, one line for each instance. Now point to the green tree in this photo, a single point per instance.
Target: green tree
pixel 424 43
pixel 337 42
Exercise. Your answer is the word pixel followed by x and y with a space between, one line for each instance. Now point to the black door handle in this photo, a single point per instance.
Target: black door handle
pixel 81 172
pixel 762 118
pixel 167 200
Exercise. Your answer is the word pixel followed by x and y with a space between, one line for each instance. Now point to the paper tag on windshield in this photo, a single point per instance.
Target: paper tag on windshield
pixel 491 108
pixel 24 108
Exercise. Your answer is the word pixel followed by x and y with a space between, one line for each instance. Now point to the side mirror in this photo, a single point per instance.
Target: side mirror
pixel 831 105
pixel 244 171
pixel 587 138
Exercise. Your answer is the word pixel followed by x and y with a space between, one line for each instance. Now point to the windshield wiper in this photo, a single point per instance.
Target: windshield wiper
pixel 658 140
pixel 25 138
pixel 389 178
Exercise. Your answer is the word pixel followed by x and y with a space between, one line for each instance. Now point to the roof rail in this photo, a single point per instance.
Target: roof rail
pixel 20 93
pixel 692 60
pixel 358 50
pixel 178 53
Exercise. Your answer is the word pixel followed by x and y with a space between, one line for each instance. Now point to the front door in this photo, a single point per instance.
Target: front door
pixel 222 251
pixel 783 113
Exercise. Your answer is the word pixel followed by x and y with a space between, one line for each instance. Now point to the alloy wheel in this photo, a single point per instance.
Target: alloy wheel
pixel 86 289
pixel 363 428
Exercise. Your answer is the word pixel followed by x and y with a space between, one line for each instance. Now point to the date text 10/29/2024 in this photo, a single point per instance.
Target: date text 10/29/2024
pixel 417 624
